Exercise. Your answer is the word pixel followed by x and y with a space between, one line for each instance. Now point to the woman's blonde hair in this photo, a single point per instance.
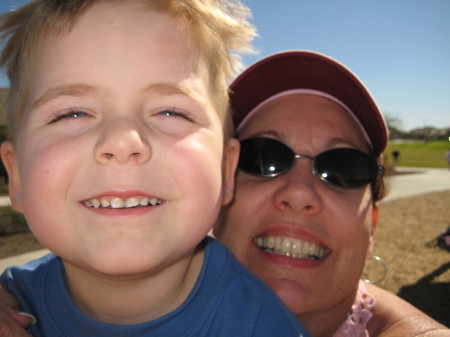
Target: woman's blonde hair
pixel 221 29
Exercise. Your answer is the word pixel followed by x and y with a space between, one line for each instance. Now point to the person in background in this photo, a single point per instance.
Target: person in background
pixel 305 209
pixel 120 160
pixel 395 156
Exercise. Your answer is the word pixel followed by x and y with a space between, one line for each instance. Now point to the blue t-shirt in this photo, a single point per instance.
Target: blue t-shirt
pixel 227 301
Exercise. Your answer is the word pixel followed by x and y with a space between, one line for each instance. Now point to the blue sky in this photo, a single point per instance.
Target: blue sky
pixel 399 48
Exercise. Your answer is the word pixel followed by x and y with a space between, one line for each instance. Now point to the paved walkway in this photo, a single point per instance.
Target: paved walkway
pixel 4 201
pixel 415 181
pixel 411 182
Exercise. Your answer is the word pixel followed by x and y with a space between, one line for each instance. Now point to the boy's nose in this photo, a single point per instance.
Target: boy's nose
pixel 121 142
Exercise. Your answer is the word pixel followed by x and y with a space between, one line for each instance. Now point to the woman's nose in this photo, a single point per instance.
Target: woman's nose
pixel 122 142
pixel 297 190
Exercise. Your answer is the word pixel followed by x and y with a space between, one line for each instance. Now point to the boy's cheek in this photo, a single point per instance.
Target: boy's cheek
pixel 9 158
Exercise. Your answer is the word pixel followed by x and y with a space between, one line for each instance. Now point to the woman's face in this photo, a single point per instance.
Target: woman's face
pixel 299 209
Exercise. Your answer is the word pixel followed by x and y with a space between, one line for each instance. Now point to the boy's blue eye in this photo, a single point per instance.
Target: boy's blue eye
pixel 169 113
pixel 69 114
pixel 174 113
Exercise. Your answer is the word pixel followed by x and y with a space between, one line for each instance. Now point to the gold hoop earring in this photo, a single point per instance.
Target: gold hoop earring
pixel 383 272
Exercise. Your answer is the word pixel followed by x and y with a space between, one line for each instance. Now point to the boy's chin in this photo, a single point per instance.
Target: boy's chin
pixel 122 262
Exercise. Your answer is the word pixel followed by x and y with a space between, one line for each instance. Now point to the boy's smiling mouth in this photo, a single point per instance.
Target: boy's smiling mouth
pixel 116 202
pixel 290 247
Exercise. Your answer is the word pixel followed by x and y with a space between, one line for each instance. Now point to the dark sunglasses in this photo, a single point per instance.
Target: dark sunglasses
pixel 342 167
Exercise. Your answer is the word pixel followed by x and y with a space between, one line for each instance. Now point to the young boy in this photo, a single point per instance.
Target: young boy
pixel 120 160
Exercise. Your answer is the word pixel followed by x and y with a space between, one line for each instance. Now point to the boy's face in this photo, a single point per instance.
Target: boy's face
pixel 120 111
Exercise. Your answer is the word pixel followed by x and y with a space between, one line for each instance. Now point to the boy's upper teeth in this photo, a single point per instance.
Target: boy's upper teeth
pixel 290 247
pixel 117 202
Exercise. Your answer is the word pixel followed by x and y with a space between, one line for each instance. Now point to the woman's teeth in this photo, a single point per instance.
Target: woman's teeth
pixel 122 203
pixel 290 247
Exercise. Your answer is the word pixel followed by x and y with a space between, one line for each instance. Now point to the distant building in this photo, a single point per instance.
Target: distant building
pixel 430 133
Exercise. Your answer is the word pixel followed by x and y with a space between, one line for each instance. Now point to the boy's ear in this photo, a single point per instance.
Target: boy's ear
pixel 9 157
pixel 230 160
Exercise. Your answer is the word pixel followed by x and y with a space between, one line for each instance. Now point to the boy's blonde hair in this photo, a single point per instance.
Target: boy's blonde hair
pixel 220 28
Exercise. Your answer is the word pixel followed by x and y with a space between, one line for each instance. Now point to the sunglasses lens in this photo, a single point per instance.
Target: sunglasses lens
pixel 347 168
pixel 265 157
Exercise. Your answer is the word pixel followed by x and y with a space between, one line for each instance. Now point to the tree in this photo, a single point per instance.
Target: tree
pixel 395 126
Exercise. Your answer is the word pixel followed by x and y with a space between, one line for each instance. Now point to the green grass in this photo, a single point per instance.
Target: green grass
pixel 419 154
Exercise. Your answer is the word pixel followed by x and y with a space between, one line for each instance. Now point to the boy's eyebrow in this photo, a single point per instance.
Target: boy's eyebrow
pixel 167 89
pixel 80 89
pixel 76 90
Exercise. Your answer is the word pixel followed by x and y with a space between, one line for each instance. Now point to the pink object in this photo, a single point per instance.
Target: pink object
pixel 355 325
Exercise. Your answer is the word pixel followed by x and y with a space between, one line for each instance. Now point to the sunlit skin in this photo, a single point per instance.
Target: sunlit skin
pixel 299 205
pixel 121 107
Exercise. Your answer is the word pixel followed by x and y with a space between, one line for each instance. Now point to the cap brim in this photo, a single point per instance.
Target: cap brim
pixel 307 70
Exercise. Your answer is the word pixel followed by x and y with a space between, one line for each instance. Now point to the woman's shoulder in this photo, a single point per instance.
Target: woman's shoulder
pixel 393 316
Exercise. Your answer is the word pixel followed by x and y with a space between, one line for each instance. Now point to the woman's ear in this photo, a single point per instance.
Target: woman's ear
pixel 230 160
pixel 375 212
pixel 9 157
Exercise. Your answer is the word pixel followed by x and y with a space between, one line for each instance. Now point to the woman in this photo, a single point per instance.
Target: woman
pixel 305 209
